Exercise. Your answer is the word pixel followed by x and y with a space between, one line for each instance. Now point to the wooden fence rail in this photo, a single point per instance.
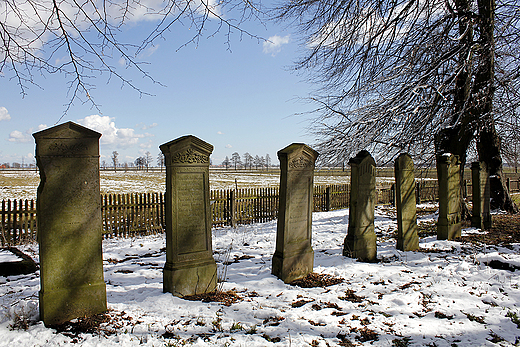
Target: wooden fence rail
pixel 128 215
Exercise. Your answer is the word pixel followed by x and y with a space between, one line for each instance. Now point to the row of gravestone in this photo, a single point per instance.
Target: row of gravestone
pixel 70 226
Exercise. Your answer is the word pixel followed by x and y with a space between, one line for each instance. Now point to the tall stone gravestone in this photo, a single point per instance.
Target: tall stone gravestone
pixel 190 267
pixel 69 224
pixel 360 242
pixel 294 257
pixel 407 238
pixel 481 196
pixel 449 223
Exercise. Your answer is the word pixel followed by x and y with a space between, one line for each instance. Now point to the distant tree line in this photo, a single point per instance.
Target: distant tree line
pixel 247 161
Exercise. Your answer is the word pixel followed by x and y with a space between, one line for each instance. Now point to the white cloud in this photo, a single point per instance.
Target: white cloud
pixel 228 146
pixel 220 133
pixel 121 137
pixel 4 114
pixel 143 126
pixel 148 144
pixel 274 44
pixel 18 136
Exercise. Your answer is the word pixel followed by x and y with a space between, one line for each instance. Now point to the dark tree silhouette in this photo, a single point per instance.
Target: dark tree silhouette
pixel 425 77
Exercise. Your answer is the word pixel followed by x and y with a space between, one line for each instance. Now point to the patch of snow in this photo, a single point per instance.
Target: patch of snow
pixel 7 256
pixel 443 297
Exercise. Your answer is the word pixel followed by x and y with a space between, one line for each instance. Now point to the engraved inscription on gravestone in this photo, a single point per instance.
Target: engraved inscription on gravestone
pixel 190 267
pixel 69 223
pixel 299 210
pixel 191 212
pixel 294 257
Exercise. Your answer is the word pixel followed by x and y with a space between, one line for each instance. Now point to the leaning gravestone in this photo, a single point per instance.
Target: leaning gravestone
pixel 449 224
pixel 481 196
pixel 294 257
pixel 69 224
pixel 407 238
pixel 190 268
pixel 360 242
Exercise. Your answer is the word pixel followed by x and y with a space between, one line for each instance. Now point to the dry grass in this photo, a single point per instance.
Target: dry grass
pixel 226 298
pixel 505 230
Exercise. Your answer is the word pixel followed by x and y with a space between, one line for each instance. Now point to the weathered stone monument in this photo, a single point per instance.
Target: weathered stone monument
pixel 294 257
pixel 449 223
pixel 407 238
pixel 481 196
pixel 190 267
pixel 69 223
pixel 361 242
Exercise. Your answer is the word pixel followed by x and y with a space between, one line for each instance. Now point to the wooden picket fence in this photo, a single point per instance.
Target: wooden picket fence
pixel 17 221
pixel 244 206
pixel 129 215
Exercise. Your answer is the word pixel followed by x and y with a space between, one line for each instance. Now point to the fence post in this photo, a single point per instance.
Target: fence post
pixel 232 209
pixel 327 198
pixel 392 194
pixel 508 184
pixel 465 189
pixel 418 186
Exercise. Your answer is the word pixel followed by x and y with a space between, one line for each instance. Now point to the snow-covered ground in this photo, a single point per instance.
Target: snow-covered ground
pixel 442 296
pixel 23 184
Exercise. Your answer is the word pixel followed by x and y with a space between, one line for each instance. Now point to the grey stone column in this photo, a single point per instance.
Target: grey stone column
pixel 361 241
pixel 294 257
pixel 70 227
pixel 407 238
pixel 449 224
pixel 190 267
pixel 481 196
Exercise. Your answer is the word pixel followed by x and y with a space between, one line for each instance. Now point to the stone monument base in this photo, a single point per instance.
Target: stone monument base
pixel 362 247
pixel 61 305
pixel 190 278
pixel 447 231
pixel 408 242
pixel 293 267
pixel 481 222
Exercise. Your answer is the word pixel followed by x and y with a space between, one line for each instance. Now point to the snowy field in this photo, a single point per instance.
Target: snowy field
pixel 23 184
pixel 444 295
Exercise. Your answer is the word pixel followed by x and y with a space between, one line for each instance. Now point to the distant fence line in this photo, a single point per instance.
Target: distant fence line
pixel 128 215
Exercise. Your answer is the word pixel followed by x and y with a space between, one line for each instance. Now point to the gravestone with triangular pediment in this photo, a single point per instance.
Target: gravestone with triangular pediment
pixel 294 257
pixel 69 223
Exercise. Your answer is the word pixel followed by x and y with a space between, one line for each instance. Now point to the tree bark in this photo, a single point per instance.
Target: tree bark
pixel 488 141
pixel 457 138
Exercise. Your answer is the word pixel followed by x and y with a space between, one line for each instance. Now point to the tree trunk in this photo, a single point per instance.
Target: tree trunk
pixel 489 152
pixel 488 141
pixel 457 138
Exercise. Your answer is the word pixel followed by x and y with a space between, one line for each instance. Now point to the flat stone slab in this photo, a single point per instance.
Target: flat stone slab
pixel 13 262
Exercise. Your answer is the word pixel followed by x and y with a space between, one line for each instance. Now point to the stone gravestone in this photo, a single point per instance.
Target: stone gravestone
pixel 449 223
pixel 190 268
pixel 407 238
pixel 294 257
pixel 69 224
pixel 481 196
pixel 360 242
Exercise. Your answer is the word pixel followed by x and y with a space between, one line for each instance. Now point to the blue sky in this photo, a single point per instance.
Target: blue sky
pixel 242 99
